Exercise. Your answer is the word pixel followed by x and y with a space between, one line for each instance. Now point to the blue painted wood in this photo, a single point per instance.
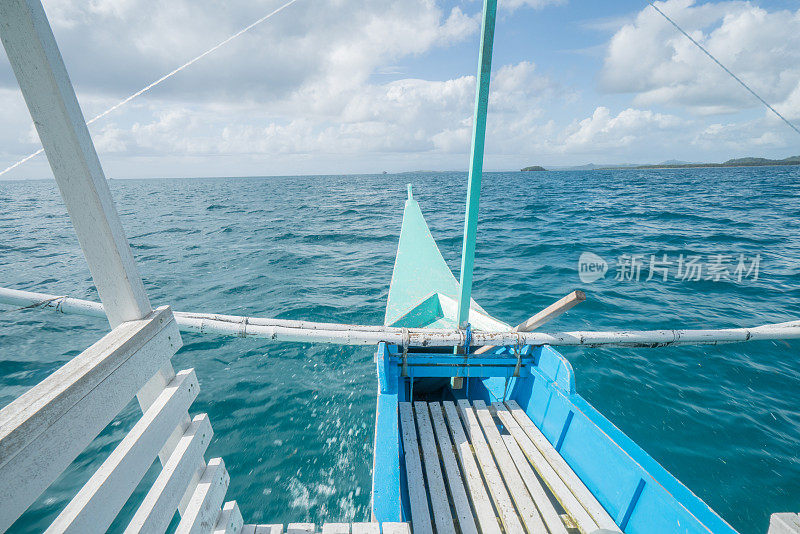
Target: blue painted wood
pixel 476 160
pixel 386 487
pixel 638 492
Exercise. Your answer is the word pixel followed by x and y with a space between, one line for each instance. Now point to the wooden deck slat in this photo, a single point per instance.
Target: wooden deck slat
pixel 433 471
pixel 561 467
pixel 477 490
pixel 269 529
pixel 494 481
pixel 206 502
pixel 300 528
pixel 366 528
pixel 557 486
pixel 336 528
pixel 396 528
pixel 230 519
pixel 516 487
pixel 548 512
pixel 466 521
pixel 420 513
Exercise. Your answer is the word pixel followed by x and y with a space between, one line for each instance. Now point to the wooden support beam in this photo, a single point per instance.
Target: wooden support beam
pixel 548 314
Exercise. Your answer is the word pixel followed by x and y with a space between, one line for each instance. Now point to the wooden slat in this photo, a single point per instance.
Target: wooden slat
pixel 420 513
pixel 161 501
pixel 269 529
pixel 336 528
pixel 103 496
pixel 494 482
pixel 546 509
pixel 433 470
pixel 516 487
pixel 71 406
pixel 396 528
pixel 466 521
pixel 204 506
pixel 585 497
pixel 366 528
pixel 249 529
pixel 477 491
pixel 560 490
pixel 784 523
pixel 300 528
pixel 230 519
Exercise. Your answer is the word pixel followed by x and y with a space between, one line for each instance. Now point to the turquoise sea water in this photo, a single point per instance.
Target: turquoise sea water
pixel 294 423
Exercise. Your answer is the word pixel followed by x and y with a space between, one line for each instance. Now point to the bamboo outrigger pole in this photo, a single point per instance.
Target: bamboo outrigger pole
pixel 476 160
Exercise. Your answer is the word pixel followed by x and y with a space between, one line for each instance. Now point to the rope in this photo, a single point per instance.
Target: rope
pixel 163 78
pixel 726 69
pixel 40 304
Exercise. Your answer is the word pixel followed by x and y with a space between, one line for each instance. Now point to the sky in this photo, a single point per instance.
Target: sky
pixel 334 86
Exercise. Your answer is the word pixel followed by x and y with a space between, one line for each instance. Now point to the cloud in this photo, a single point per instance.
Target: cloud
pixel 602 130
pixel 649 58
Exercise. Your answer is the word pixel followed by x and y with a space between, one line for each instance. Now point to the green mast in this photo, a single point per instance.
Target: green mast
pixel 476 160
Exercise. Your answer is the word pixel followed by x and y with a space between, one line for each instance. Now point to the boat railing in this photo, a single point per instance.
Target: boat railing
pixel 43 431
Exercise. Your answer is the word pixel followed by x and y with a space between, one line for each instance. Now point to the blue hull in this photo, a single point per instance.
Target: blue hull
pixel 639 494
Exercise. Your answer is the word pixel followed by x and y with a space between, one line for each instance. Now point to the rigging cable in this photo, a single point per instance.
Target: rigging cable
pixel 726 69
pixel 163 78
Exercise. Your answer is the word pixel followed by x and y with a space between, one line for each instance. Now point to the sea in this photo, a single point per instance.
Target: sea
pixel 673 248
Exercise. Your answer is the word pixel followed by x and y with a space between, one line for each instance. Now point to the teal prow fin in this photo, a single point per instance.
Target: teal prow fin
pixel 423 291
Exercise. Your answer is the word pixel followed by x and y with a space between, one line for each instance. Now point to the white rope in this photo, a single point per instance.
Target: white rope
pixel 726 69
pixel 163 78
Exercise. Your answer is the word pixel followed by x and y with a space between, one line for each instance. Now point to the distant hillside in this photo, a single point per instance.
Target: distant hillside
pixel 739 162
pixel 675 164
pixel 533 168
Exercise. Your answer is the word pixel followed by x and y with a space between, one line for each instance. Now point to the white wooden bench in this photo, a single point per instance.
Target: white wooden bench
pixel 476 466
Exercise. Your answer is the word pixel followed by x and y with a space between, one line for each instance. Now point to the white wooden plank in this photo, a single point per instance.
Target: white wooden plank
pixel 161 501
pixel 574 483
pixel 433 470
pixel 466 521
pixel 269 529
pixel 73 405
pixel 103 496
pixel 42 76
pixel 396 528
pixel 516 487
pixel 300 528
pixel 784 523
pixel 477 491
pixel 546 509
pixel 417 493
pixel 494 481
pixel 249 529
pixel 366 528
pixel 336 528
pixel 204 506
pixel 557 486
pixel 230 519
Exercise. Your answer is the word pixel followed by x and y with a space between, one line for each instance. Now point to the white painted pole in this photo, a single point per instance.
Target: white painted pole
pixel 42 76
pixel 342 334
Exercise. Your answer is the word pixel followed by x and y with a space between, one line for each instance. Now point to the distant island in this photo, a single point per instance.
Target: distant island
pixel 673 164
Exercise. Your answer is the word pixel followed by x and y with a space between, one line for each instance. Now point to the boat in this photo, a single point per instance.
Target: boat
pixel 479 427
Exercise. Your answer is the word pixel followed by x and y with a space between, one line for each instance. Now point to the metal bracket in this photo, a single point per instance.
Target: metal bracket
pixel 404 368
pixel 518 354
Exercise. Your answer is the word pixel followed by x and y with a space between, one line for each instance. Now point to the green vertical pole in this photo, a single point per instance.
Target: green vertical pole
pixel 476 160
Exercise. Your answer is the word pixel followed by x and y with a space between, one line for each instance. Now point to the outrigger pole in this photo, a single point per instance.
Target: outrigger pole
pixel 476 160
pixel 285 330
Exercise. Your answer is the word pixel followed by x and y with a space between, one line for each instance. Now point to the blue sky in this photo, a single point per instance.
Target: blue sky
pixel 330 87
